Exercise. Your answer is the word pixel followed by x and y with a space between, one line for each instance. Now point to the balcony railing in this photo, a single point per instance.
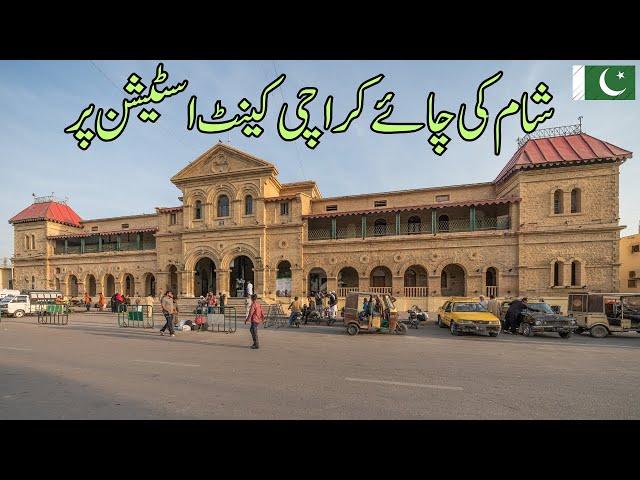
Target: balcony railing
pixel 106 247
pixel 492 290
pixel 416 291
pixel 380 290
pixel 344 291
pixel 444 226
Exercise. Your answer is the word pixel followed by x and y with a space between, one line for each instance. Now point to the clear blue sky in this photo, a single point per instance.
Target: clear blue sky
pixel 131 175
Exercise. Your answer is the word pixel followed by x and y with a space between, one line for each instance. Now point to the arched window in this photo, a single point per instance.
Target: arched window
pixel 33 242
pixel 248 205
pixel 414 224
pixel 558 207
pixel 557 274
pixel 443 223
pixel 223 206
pixel 197 213
pixel 380 227
pixel 575 200
pixel 443 279
pixel 27 244
pixel 576 279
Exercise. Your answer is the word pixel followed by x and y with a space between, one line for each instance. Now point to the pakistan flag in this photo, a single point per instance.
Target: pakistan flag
pixel 604 82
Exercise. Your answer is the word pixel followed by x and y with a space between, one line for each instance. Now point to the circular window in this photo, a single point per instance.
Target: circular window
pixel 364 258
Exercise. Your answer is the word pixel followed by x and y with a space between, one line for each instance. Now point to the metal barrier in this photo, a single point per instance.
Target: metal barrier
pixel 136 316
pixel 275 316
pixel 52 314
pixel 217 319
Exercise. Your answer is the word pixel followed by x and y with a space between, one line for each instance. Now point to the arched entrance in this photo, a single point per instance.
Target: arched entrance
pixel 150 285
pixel 348 280
pixel 91 286
pixel 129 285
pixel 173 280
pixel 204 277
pixel 241 273
pixel 491 281
pixel 380 280
pixel 317 280
pixel 72 286
pixel 452 281
pixel 109 285
pixel 415 281
pixel 283 279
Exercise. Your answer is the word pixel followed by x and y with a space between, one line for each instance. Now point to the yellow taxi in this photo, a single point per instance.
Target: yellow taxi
pixel 467 315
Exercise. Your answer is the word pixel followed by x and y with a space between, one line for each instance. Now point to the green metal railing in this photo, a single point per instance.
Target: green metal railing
pixel 136 316
pixel 52 314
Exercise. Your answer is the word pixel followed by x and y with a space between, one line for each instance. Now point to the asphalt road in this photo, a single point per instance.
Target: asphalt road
pixel 91 369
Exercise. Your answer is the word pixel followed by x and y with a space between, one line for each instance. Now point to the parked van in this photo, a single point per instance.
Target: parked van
pixel 28 302
pixel 5 293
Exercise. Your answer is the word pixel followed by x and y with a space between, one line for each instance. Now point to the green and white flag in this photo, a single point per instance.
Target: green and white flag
pixel 604 82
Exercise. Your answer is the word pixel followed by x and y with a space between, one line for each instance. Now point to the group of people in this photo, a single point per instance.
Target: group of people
pixel 207 304
pixel 326 303
pixel 512 318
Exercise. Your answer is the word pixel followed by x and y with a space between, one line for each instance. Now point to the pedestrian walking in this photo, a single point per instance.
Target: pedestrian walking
pixel 167 310
pixel 223 299
pixel 102 302
pixel 87 301
pixel 249 289
pixel 148 302
pixel 255 316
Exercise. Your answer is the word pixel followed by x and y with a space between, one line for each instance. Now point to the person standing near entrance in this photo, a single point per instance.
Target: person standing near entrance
pixel 249 288
pixel 223 299
pixel 87 301
pixel 255 316
pixel 167 310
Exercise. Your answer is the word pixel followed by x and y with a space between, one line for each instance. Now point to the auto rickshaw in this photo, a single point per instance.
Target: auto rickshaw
pixel 603 313
pixel 362 312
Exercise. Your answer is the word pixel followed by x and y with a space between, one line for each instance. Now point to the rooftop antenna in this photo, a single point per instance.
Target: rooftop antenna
pixel 580 123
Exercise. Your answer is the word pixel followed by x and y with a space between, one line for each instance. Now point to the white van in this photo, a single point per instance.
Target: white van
pixel 5 293
pixel 26 303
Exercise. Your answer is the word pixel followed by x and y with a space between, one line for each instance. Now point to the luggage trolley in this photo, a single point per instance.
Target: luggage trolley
pixel 135 316
pixel 52 313
pixel 216 319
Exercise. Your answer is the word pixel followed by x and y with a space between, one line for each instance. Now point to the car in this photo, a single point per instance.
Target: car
pixel 540 317
pixel 467 315
pixel 601 314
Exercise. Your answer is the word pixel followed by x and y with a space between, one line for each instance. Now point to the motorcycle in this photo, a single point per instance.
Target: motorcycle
pixel 297 317
pixel 416 315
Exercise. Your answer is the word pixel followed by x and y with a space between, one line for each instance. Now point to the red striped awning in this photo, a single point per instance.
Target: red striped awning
pixel 469 203
pixel 103 234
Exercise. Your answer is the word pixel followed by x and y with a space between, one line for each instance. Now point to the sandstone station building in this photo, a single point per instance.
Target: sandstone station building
pixel 548 223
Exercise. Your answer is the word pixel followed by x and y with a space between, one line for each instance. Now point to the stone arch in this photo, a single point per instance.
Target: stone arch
pixel 580 274
pixel 247 189
pixel 381 274
pixel 199 252
pixel 316 279
pixel 237 250
pixel 109 285
pixel 421 276
pixel 197 194
pixel 224 189
pixel 91 285
pixel 560 281
pixel 349 276
pixel 128 285
pixel 444 263
pixel 72 285
pixel 558 191
pixel 455 286
pixel 150 284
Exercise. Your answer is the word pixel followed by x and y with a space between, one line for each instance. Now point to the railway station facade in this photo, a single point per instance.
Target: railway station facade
pixel 546 224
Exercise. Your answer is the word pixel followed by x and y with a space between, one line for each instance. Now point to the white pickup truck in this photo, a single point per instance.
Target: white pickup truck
pixel 26 303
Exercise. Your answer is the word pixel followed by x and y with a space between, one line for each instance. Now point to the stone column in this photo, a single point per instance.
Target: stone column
pixel 332 284
pixel 222 281
pixel 397 281
pixel 434 285
pixel 259 281
pixel 298 282
pixel 364 283
pixel 162 283
pixel 185 283
pixel 236 211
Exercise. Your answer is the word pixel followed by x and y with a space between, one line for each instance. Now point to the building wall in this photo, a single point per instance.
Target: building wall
pixel 522 255
pixel 630 263
pixel 6 277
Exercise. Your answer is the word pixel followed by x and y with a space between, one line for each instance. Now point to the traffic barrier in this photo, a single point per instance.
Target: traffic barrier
pixel 52 314
pixel 217 319
pixel 135 316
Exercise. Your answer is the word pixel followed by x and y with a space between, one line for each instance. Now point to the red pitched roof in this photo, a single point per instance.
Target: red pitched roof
pixel 580 148
pixel 51 211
